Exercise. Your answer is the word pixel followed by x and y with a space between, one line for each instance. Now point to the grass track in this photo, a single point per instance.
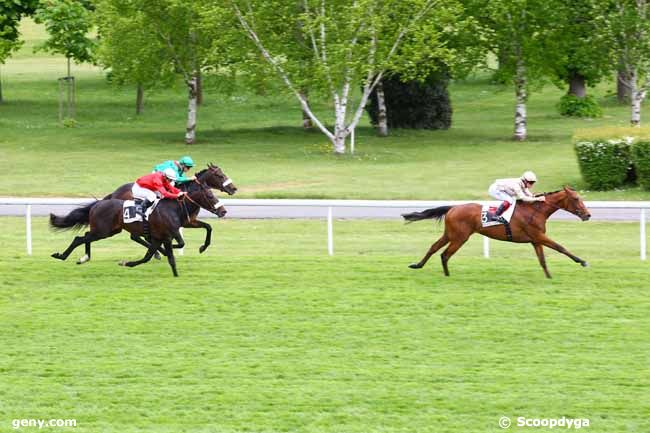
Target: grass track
pixel 265 333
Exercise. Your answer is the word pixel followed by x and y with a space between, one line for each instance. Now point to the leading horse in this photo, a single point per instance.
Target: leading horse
pixel 528 225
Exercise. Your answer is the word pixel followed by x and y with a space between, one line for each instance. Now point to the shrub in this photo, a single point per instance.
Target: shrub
pixel 414 104
pixel 571 105
pixel 604 164
pixel 641 159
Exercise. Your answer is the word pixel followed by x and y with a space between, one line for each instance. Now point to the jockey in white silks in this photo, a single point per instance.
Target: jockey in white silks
pixel 511 190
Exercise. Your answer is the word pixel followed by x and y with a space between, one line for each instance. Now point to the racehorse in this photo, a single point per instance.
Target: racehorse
pixel 528 225
pixel 213 176
pixel 106 219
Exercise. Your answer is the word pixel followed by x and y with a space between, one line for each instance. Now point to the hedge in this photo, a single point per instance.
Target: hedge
pixel 641 159
pixel 604 164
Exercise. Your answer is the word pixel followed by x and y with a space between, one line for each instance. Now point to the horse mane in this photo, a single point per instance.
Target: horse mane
pixel 552 192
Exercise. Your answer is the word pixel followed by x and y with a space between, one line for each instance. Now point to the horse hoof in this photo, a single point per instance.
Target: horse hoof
pixel 122 263
pixel 57 256
pixel 584 264
pixel 83 259
pixel 156 256
pixel 415 266
pixel 202 248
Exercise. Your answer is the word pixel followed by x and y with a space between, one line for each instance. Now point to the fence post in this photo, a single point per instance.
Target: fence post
pixel 28 228
pixel 181 251
pixel 330 235
pixel 486 247
pixel 642 235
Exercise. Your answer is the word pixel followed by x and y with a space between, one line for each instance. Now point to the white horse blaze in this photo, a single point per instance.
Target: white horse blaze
pixel 227 182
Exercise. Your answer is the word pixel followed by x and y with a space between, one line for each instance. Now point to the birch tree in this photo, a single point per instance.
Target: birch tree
pixel 629 31
pixel 519 31
pixel 352 44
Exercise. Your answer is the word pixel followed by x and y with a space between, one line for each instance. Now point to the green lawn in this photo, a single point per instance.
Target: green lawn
pixel 259 142
pixel 266 333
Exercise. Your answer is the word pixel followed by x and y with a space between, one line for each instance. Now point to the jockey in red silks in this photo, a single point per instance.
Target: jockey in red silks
pixel 511 190
pixel 152 186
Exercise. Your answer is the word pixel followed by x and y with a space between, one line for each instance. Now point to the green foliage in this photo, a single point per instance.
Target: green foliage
pixel 571 105
pixel 11 12
pixel 68 23
pixel 414 104
pixel 604 163
pixel 578 44
pixel 641 159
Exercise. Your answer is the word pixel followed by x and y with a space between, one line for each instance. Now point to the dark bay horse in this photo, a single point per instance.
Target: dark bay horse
pixel 528 225
pixel 213 176
pixel 105 219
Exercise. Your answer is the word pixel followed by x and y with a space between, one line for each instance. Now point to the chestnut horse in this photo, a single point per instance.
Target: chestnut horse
pixel 213 176
pixel 106 219
pixel 528 225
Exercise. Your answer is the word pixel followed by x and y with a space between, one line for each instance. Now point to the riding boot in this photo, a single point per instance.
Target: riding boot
pixel 500 210
pixel 145 205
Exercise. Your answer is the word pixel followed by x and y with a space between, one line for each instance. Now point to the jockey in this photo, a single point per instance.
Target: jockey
pixel 181 166
pixel 511 190
pixel 151 186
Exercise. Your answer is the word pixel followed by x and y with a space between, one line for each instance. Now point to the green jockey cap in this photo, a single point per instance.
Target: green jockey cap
pixel 181 178
pixel 186 161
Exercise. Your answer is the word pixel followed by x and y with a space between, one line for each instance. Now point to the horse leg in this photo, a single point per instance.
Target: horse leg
pixel 180 242
pixel 197 224
pixel 539 250
pixel 86 256
pixel 435 247
pixel 454 246
pixel 137 239
pixel 548 242
pixel 152 249
pixel 170 257
pixel 78 240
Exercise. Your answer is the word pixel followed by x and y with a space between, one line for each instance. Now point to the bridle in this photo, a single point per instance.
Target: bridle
pixel 224 184
pixel 203 193
pixel 538 206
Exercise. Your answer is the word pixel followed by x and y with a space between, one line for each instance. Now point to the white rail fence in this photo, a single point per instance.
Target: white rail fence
pixel 326 209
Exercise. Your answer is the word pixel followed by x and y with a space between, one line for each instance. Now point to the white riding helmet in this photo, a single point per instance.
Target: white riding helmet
pixel 170 174
pixel 529 176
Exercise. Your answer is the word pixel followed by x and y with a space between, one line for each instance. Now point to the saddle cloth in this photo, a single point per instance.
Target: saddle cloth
pixel 132 211
pixel 487 213
pixel 129 212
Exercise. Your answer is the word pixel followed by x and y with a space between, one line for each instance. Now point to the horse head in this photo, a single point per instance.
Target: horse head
pixel 204 197
pixel 214 177
pixel 572 203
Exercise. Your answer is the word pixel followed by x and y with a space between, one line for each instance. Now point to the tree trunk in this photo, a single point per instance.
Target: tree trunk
pixel 520 108
pixel 139 100
pixel 637 96
pixel 577 85
pixel 382 118
pixel 521 97
pixel 190 132
pixel 622 89
pixel 340 131
pixel 306 120
pixel 199 88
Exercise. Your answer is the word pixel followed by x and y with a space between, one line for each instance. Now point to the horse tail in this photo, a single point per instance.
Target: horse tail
pixel 436 213
pixel 75 220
